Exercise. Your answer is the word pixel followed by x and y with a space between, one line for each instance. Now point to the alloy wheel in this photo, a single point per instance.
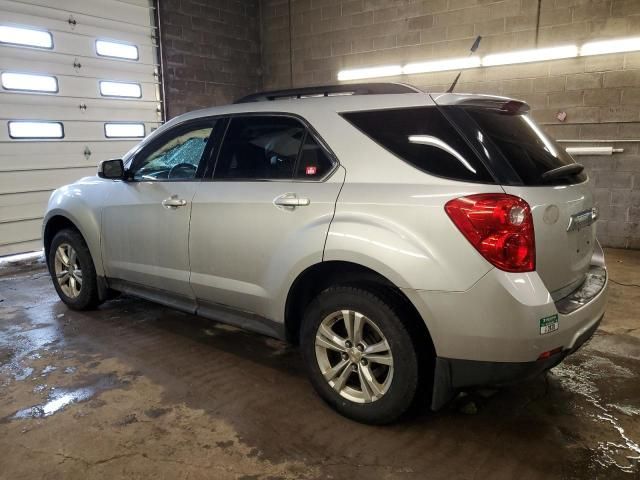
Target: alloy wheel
pixel 354 356
pixel 67 270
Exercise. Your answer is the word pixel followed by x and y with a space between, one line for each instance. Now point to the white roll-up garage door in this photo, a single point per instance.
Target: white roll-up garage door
pixel 78 84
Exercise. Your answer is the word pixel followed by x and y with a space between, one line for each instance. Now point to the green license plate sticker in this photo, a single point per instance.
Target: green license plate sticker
pixel 549 324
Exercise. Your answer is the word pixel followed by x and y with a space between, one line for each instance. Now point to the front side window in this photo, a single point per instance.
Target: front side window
pixel 260 148
pixel 176 159
pixel 425 139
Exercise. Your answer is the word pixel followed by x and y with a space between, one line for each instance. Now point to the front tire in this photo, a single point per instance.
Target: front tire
pixel 359 354
pixel 72 270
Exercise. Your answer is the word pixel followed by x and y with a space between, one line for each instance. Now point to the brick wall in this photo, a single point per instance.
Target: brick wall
pixel 601 95
pixel 211 52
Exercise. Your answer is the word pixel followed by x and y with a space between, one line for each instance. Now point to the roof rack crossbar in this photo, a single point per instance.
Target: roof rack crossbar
pixel 330 90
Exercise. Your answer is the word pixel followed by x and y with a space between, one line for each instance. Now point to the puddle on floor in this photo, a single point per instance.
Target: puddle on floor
pixel 60 398
pixel 616 449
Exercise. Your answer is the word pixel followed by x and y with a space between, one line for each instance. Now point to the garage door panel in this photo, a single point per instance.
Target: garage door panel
pixel 75 159
pixel 31 230
pixel 23 206
pixel 122 12
pixel 72 112
pixel 20 247
pixel 32 102
pixel 38 180
pixel 72 44
pixel 99 150
pixel 85 25
pixel 24 210
pixel 80 131
pixel 57 63
pixel 78 87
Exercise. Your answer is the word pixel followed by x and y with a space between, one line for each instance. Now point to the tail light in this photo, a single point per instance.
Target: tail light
pixel 499 226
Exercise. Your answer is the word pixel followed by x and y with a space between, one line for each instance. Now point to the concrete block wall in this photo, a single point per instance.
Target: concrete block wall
pixel 600 95
pixel 211 52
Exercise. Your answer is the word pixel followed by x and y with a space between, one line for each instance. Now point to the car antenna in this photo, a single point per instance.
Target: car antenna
pixel 474 47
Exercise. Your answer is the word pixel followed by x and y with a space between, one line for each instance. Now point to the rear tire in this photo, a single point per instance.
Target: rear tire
pixel 72 271
pixel 385 376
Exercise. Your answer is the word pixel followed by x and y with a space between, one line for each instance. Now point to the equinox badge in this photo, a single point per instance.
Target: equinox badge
pixel 582 219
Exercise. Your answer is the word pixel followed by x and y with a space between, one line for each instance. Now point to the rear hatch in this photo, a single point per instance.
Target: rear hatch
pixel 532 166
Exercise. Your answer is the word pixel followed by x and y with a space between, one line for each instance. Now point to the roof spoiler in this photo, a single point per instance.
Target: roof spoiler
pixel 490 102
pixel 331 91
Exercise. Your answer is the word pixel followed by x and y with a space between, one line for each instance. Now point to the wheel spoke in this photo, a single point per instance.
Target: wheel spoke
pixel 358 325
pixel 72 284
pixel 347 317
pixel 364 386
pixel 77 275
pixel 72 256
pixel 62 257
pixel 381 359
pixel 372 384
pixel 327 338
pixel 339 374
pixel 382 346
pixel 62 274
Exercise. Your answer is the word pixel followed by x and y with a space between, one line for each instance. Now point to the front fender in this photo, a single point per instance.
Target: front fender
pixel 80 203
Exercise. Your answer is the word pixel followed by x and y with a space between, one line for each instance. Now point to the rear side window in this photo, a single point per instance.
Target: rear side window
pixel 260 148
pixel 424 138
pixel 314 161
pixel 524 145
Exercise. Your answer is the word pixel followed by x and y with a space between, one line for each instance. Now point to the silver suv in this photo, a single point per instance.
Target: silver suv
pixel 412 244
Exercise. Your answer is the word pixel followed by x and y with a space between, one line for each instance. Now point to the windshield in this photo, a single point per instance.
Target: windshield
pixel 524 145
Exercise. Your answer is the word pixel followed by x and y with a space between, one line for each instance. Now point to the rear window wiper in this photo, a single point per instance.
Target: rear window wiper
pixel 563 171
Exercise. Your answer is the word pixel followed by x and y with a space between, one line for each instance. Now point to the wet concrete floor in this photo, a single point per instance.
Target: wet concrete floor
pixel 137 390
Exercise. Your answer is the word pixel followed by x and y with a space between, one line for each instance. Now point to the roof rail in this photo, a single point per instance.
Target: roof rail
pixel 330 91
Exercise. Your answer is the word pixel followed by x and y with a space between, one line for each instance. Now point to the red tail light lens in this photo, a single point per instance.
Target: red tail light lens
pixel 499 226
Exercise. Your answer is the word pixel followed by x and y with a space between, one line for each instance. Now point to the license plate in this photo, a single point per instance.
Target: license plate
pixel 549 324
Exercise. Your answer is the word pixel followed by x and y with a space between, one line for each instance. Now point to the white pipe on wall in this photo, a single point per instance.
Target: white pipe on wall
pixel 593 150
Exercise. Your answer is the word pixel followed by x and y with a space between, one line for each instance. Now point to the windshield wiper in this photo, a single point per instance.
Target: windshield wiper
pixel 563 171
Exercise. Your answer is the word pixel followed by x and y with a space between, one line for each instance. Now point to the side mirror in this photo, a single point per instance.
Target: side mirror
pixel 112 169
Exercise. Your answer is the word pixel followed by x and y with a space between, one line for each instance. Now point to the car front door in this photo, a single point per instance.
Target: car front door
pixel 263 214
pixel 145 222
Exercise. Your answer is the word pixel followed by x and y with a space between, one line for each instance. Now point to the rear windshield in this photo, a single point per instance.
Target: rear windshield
pixel 424 138
pixel 528 150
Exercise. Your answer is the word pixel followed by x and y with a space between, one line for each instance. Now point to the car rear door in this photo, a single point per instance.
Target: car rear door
pixel 264 213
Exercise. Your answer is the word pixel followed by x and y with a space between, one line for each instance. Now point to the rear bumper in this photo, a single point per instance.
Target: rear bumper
pixel 452 375
pixel 492 333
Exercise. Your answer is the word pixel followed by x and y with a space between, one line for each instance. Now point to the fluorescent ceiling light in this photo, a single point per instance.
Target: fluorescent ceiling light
pixel 29 82
pixel 359 73
pixel 105 48
pixel 442 65
pixel 611 46
pixel 534 55
pixel 620 45
pixel 25 36
pixel 28 129
pixel 120 89
pixel 124 130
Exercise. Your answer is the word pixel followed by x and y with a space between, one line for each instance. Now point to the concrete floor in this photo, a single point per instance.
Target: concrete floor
pixel 138 390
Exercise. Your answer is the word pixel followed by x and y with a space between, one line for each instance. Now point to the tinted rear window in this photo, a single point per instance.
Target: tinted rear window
pixel 528 150
pixel 424 138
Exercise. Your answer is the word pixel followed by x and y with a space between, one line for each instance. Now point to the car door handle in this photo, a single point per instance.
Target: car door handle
pixel 173 202
pixel 291 200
